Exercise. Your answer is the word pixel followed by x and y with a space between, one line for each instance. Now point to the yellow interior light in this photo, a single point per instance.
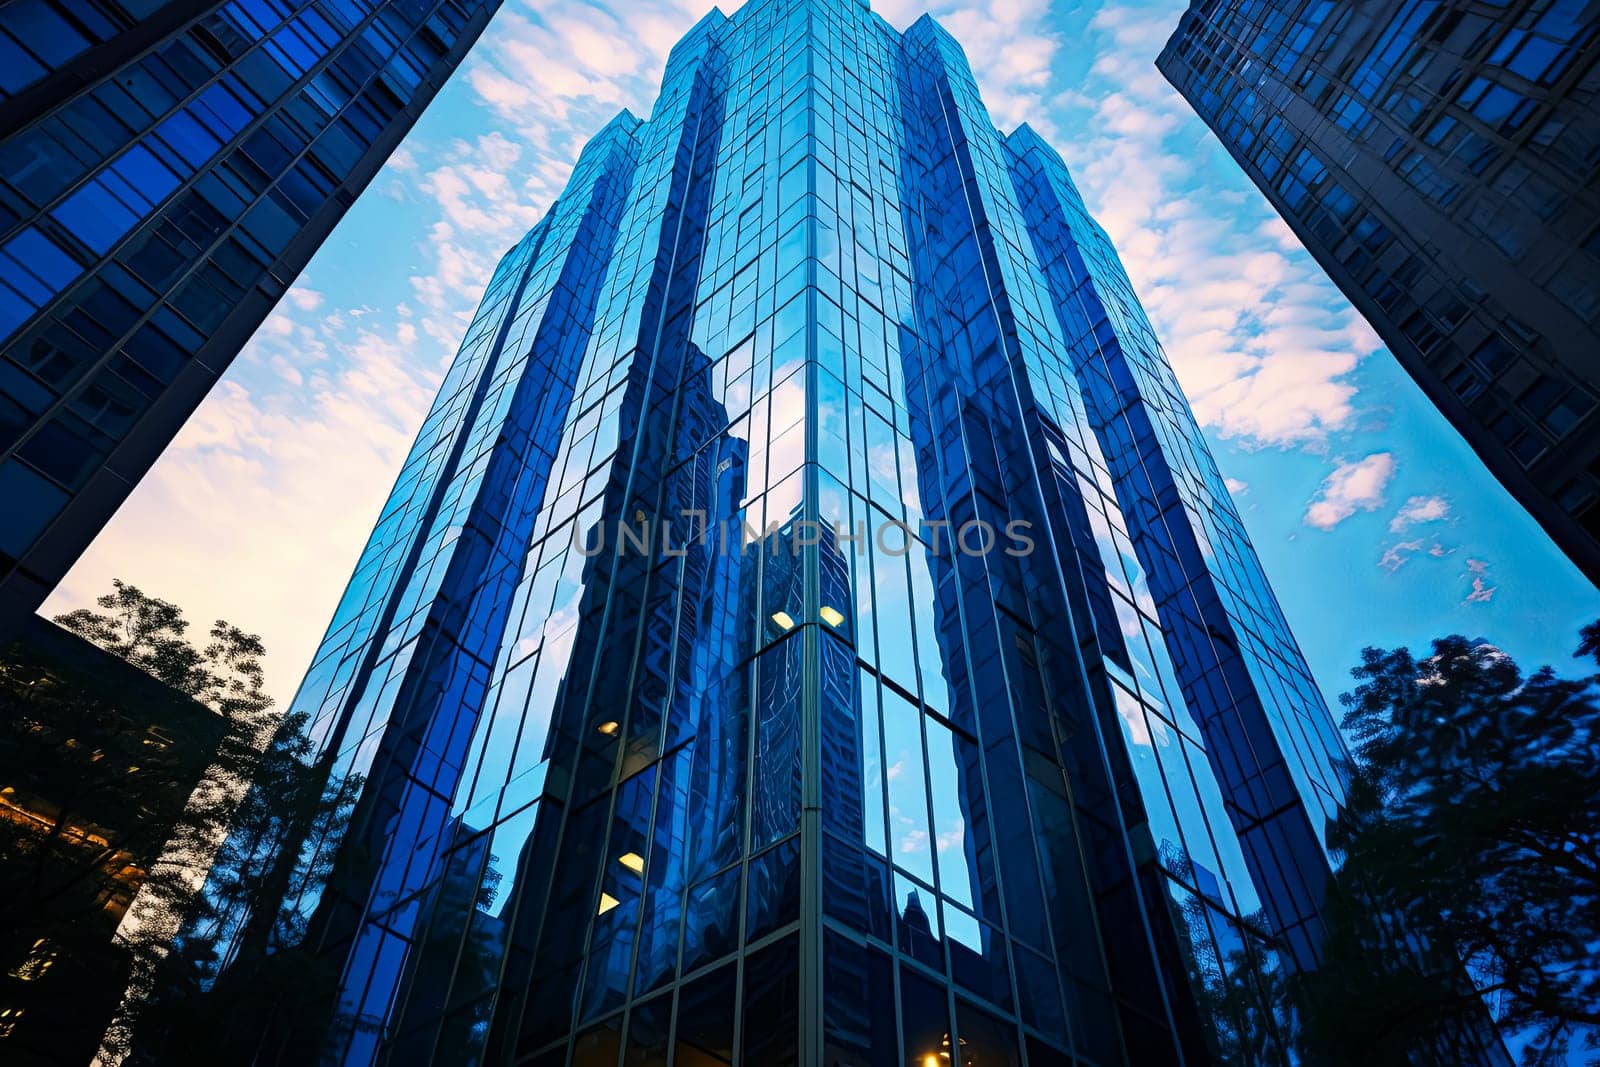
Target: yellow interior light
pixel 633 861
pixel 831 616
pixel 784 620
pixel 608 727
pixel 607 902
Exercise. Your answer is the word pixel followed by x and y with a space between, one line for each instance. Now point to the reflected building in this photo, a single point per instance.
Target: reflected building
pixel 1441 160
pixel 813 586
pixel 100 760
pixel 167 167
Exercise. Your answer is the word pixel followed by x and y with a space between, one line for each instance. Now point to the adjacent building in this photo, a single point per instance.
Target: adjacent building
pixel 1441 160
pixel 97 762
pixel 809 628
pixel 166 168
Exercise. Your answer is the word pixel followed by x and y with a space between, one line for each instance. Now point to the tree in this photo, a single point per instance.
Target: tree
pixel 1471 850
pixel 116 792
pixel 181 829
pixel 218 875
pixel 225 674
pixel 1244 994
pixel 215 989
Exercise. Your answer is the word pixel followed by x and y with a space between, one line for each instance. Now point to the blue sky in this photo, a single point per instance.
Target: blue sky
pixel 1375 522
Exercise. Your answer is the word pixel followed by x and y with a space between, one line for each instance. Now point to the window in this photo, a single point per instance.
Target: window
pixel 95 216
pixel 1494 355
pixel 1569 411
pixel 41 957
pixel 1503 109
pixel 31 502
pixel 1465 384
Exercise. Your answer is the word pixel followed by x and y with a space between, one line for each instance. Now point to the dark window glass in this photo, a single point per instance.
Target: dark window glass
pixel 1038 989
pixel 985 1040
pixel 711 922
pixel 61 448
pixel 648 1026
pixel 858 1004
pixel 42 257
pixel 598 1046
pixel 924 1019
pixel 776 774
pixel 18 69
pixel 705 1019
pixel 772 1004
pixel 978 959
pixel 49 36
pixel 1541 396
pixel 1494 355
pixel 193 141
pixel 855 888
pixel 1571 410
pixel 1043 1055
pixel 94 216
pixel 31 502
pixel 549 1008
pixel 774 891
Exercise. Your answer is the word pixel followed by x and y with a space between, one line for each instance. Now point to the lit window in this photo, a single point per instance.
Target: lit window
pixel 784 620
pixel 40 959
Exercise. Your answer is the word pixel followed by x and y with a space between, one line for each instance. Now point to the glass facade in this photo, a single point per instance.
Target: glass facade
pixel 1441 160
pixel 809 626
pixel 166 169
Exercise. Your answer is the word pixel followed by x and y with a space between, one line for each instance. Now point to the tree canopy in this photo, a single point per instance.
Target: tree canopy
pixel 1471 850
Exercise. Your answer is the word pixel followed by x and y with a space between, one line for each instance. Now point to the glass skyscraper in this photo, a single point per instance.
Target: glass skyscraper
pixel 166 168
pixel 809 627
pixel 1441 160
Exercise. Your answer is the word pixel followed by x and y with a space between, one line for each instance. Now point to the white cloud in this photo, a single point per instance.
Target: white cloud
pixel 302 298
pixel 402 159
pixel 1419 509
pixel 1395 556
pixel 1236 487
pixel 954 836
pixel 554 75
pixel 1261 341
pixel 1481 592
pixel 913 842
pixel 1017 88
pixel 1355 486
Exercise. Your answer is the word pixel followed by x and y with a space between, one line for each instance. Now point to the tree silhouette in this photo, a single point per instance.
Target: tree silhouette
pixel 198 853
pixel 214 989
pixel 116 794
pixel 264 788
pixel 1471 848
